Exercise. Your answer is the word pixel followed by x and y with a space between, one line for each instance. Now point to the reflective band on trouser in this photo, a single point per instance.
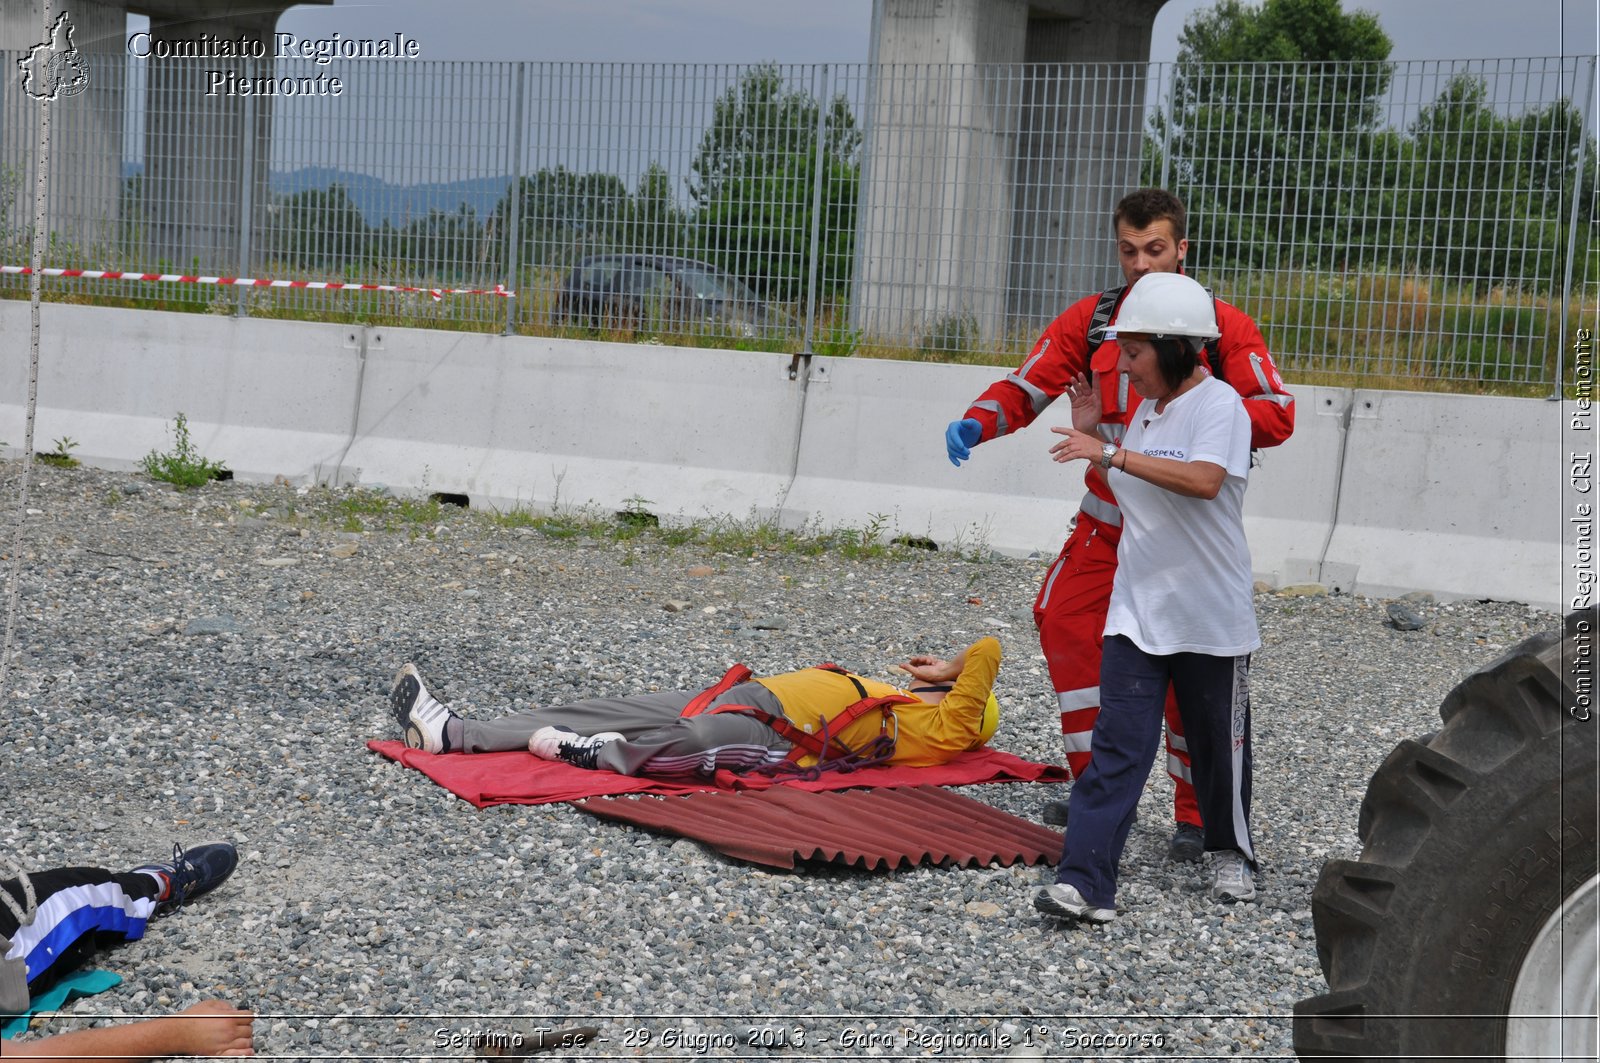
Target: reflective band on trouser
pixel 1177 757
pixel 1079 709
pixel 1101 510
pixel 1049 583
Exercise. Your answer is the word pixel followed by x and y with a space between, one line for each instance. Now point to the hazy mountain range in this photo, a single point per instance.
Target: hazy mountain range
pixel 379 201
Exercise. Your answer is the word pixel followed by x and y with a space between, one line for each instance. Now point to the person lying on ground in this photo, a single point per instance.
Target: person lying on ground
pixel 53 921
pixel 809 719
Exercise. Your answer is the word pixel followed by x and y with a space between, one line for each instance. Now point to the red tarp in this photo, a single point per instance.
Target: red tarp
pixel 521 778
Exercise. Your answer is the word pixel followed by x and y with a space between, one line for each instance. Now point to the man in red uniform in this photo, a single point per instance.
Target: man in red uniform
pixel 1070 610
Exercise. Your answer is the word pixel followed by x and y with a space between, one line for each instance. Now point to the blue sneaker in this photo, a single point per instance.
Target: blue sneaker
pixel 192 872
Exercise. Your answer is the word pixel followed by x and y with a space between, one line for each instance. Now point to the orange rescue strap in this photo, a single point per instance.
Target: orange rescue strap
pixel 831 753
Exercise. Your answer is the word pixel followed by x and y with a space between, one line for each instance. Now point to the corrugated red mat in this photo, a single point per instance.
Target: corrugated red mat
pixel 874 828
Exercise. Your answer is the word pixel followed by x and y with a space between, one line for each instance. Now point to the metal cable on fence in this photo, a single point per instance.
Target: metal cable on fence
pixel 13 582
pixel 29 902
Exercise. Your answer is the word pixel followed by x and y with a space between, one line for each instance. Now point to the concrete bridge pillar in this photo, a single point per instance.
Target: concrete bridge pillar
pixel 206 149
pixel 990 169
pixel 191 202
pixel 86 124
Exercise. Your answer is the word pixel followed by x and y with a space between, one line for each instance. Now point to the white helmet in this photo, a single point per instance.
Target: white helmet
pixel 1167 304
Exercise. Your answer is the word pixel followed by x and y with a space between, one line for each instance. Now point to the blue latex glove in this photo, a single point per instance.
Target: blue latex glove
pixel 960 438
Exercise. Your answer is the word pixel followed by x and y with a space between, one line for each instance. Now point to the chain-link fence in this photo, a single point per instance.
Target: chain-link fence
pixel 1386 223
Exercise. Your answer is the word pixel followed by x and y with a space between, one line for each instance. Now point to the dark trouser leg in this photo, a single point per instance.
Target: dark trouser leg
pixel 80 910
pixel 1133 688
pixel 1214 698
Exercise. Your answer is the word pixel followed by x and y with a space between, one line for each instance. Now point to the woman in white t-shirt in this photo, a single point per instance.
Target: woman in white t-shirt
pixel 1181 610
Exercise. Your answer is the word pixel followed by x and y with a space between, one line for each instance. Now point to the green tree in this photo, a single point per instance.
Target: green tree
pixel 446 245
pixel 562 215
pixel 321 229
pixel 1273 119
pixel 652 221
pixel 753 184
pixel 1488 197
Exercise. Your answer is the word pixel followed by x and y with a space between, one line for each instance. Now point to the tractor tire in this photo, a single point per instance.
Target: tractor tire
pixel 1471 912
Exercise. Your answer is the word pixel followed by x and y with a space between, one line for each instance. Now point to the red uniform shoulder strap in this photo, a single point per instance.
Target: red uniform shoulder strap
pixel 731 678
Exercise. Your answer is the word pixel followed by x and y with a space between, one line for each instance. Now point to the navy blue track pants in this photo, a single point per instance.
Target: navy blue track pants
pixel 1214 700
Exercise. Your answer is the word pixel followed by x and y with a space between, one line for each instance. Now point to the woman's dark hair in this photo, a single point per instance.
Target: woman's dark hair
pixel 1176 357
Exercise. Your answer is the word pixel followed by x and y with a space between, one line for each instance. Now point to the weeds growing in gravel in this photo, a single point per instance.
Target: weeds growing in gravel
pixel 365 510
pixel 183 466
pixel 61 457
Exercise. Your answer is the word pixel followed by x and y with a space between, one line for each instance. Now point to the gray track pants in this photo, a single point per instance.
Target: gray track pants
pixel 656 739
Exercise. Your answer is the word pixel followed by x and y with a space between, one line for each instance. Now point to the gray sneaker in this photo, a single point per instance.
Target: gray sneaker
pixel 1064 901
pixel 422 718
pixel 1231 877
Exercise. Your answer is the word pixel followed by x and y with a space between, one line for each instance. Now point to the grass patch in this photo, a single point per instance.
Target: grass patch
pixel 363 510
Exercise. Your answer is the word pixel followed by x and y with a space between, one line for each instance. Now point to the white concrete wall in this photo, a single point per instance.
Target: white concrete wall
pixel 1377 492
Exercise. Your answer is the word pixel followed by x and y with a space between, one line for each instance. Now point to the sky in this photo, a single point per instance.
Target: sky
pixel 812 31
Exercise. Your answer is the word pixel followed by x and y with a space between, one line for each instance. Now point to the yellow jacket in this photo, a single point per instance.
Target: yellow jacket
pixel 927 733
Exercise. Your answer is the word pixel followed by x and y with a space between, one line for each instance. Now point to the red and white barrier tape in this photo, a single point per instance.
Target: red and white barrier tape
pixel 254 282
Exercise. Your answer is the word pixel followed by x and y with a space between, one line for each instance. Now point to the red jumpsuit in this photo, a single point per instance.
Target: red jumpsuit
pixel 1070 610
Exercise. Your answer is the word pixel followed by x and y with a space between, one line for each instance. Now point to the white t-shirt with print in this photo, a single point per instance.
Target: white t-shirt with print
pixel 1183 582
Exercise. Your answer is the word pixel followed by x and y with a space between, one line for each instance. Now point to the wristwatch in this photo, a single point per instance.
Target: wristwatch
pixel 1107 452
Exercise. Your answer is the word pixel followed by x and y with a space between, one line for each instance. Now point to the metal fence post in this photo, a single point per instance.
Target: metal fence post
pixel 514 203
pixel 247 180
pixel 1572 233
pixel 816 212
pixel 1169 75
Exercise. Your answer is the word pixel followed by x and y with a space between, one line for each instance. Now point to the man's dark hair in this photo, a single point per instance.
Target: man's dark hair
pixel 1176 357
pixel 1146 206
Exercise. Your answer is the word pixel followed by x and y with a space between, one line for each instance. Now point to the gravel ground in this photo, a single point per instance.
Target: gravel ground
pixel 210 664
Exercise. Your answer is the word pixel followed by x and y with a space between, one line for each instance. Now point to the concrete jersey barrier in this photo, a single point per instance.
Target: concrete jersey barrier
pixel 1376 492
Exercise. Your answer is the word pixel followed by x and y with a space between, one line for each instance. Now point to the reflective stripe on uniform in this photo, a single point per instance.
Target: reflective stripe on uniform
pixel 1101 510
pixel 1049 581
pixel 1122 392
pixel 1082 698
pixel 1036 398
pixel 1077 741
pixel 1000 426
pixel 1267 394
pixel 1178 769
